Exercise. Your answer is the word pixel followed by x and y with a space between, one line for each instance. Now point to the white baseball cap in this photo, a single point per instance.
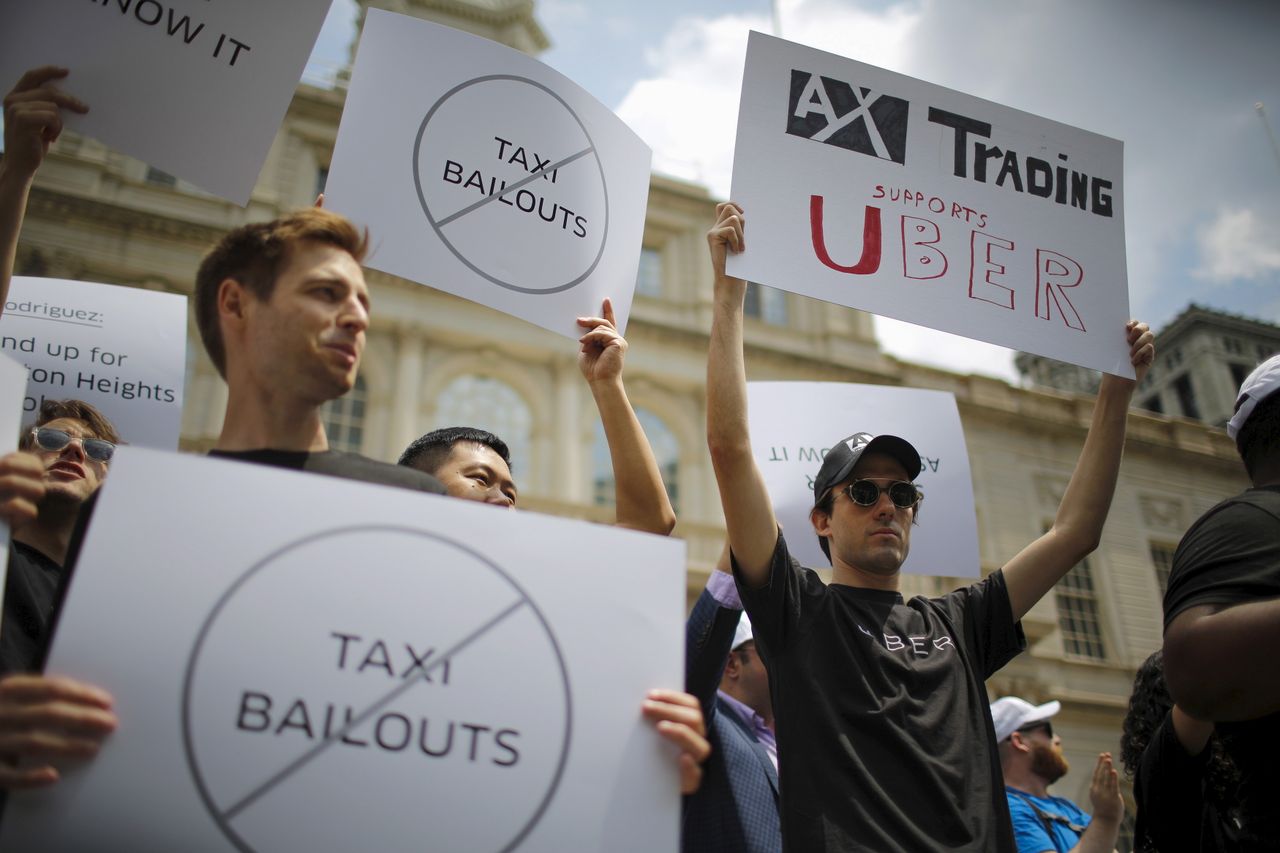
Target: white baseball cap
pixel 1257 386
pixel 743 632
pixel 1010 713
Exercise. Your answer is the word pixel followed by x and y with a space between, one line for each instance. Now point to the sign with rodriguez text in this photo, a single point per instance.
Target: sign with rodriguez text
pixel 196 88
pixel 877 191
pixel 789 444
pixel 372 669
pixel 491 176
pixel 121 349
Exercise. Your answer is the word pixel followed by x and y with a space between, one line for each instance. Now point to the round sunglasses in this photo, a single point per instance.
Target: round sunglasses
pixel 867 492
pixel 53 440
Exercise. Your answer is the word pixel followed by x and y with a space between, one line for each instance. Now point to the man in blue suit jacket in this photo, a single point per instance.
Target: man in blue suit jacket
pixel 736 809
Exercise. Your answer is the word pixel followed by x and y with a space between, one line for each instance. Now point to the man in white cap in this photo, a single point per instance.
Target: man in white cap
pixel 736 808
pixel 1222 612
pixel 1032 760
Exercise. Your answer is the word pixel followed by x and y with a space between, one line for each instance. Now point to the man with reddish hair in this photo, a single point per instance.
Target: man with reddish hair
pixel 283 309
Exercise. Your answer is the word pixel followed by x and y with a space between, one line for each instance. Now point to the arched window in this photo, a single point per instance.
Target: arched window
pixel 487 403
pixel 344 418
pixel 665 449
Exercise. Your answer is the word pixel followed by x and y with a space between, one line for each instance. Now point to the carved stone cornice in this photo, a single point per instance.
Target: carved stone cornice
pixel 64 208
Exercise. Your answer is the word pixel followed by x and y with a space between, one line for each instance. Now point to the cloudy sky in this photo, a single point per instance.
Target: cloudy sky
pixel 1176 80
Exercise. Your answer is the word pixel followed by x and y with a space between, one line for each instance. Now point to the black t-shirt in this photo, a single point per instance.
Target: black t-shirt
pixel 885 741
pixel 1173 809
pixel 30 590
pixel 1229 556
pixel 335 463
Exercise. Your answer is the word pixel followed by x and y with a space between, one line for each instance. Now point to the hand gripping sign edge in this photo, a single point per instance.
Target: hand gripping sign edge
pixel 437 226
pixel 222 817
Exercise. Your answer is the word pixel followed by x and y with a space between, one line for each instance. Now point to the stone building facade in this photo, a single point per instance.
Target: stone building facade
pixel 433 359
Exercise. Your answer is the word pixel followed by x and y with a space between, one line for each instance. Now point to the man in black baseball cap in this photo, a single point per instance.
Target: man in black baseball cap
pixel 840 460
pixel 885 738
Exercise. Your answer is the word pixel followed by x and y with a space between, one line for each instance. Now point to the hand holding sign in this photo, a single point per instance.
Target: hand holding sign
pixel 728 234
pixel 21 488
pixel 33 118
pixel 45 721
pixel 678 717
pixel 603 349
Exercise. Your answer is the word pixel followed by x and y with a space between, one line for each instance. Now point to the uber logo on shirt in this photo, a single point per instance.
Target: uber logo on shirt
pixel 839 113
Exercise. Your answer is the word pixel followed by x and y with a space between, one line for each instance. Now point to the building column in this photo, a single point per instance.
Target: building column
pixel 568 451
pixel 405 397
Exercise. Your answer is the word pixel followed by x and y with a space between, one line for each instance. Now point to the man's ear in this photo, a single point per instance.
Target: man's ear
pixel 732 667
pixel 821 521
pixel 233 300
pixel 1018 742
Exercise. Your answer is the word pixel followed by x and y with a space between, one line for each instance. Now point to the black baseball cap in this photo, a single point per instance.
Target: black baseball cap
pixel 844 454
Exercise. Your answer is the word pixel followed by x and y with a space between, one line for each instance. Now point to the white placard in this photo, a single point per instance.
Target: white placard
pixel 493 665
pixel 121 349
pixel 13 384
pixel 484 173
pixel 196 88
pixel 881 192
pixel 789 442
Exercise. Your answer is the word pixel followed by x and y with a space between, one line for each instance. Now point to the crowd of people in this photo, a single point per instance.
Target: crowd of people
pixel 818 716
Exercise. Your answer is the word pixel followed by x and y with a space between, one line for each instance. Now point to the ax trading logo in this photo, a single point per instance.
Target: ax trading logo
pixel 838 113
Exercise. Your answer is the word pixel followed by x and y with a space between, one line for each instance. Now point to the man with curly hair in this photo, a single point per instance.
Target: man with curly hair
pixel 1183 782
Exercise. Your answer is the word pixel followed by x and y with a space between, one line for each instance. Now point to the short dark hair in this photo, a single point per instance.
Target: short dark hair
pixel 1259 438
pixel 52 410
pixel 255 254
pixel 825 504
pixel 430 451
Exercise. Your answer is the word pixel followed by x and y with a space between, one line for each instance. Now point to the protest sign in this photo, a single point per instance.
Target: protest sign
pixel 13 384
pixel 373 668
pixel 491 177
pixel 121 349
pixel 789 444
pixel 196 88
pixel 881 192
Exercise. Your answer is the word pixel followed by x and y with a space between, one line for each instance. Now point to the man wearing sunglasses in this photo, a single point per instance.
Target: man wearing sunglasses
pixel 1031 760
pixel 884 731
pixel 43 718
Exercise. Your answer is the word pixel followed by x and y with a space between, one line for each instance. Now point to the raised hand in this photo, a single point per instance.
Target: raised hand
pixel 728 234
pixel 603 349
pixel 33 118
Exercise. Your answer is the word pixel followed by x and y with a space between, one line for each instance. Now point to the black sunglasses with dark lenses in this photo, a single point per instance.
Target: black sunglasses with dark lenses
pixel 98 449
pixel 867 492
pixel 1031 727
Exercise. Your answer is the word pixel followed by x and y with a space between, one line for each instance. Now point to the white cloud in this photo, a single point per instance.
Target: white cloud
pixel 1238 245
pixel 687 111
pixel 687 108
pixel 554 14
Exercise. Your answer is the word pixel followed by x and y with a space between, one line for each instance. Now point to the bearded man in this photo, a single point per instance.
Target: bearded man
pixel 1032 760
